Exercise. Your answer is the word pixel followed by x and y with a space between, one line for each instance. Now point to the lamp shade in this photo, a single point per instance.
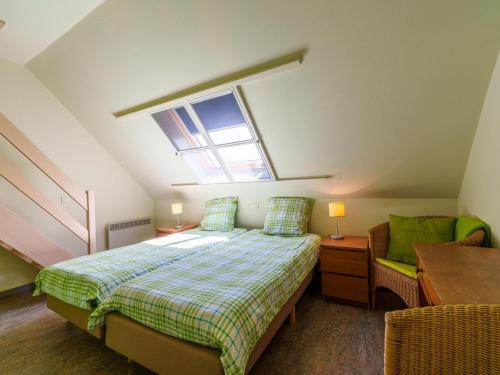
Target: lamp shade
pixel 336 209
pixel 177 208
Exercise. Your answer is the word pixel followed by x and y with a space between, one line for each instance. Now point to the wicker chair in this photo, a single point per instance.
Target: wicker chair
pixel 446 339
pixel 384 277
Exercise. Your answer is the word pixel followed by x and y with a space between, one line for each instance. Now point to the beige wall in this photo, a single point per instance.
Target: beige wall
pixel 40 116
pixel 14 272
pixel 362 213
pixel 480 193
pixel 387 99
pixel 387 102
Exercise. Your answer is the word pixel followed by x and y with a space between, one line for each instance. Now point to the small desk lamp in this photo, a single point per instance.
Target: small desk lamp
pixel 176 210
pixel 336 210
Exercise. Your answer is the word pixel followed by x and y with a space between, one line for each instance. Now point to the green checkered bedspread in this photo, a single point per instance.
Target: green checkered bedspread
pixel 85 281
pixel 224 298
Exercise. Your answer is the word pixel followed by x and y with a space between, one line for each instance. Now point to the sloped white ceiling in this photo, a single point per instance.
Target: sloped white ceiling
pixel 33 25
pixel 387 99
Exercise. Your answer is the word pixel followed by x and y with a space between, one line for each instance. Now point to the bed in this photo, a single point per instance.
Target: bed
pixel 75 287
pixel 211 313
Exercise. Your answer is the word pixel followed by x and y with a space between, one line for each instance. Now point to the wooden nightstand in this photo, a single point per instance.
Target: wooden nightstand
pixel 160 232
pixel 344 270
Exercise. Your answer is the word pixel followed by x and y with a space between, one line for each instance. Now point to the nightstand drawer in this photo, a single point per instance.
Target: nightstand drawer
pixel 345 287
pixel 344 262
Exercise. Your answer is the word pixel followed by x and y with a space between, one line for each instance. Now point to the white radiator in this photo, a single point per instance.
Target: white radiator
pixel 128 232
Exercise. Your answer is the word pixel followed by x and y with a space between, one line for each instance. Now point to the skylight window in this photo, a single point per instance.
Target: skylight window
pixel 216 138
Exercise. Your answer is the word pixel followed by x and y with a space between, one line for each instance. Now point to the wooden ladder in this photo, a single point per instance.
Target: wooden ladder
pixel 19 236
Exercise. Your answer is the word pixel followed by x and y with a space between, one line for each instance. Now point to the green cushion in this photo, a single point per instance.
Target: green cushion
pixel 288 216
pixel 220 214
pixel 405 269
pixel 406 230
pixel 465 226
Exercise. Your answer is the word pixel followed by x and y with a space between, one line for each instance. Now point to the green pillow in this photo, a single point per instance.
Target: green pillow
pixel 288 216
pixel 406 230
pixel 220 214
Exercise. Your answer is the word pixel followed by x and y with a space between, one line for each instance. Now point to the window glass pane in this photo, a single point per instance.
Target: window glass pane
pixel 179 128
pixel 206 167
pixel 245 162
pixel 222 119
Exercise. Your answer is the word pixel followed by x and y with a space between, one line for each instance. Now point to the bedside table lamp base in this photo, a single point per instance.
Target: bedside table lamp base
pixel 337 236
pixel 179 225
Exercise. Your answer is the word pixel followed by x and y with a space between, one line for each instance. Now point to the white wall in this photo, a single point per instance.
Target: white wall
pixel 387 99
pixel 361 213
pixel 14 272
pixel 480 193
pixel 33 25
pixel 41 117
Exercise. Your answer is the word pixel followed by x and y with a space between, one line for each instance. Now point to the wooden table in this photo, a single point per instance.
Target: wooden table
pixel 344 270
pixel 165 231
pixel 457 274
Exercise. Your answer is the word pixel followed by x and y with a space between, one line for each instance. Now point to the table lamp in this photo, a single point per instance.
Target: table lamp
pixel 336 210
pixel 176 210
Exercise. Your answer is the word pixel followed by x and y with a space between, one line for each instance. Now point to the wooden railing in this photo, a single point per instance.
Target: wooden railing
pixel 85 199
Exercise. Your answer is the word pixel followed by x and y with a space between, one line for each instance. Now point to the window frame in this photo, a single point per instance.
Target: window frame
pixel 188 106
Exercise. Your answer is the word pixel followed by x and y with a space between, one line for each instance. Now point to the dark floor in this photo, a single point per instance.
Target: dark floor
pixel 329 339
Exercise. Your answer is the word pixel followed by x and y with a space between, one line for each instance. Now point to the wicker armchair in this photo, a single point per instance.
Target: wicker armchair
pixel 383 277
pixel 446 339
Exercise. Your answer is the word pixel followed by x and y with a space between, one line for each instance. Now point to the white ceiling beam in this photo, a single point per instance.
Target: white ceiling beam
pixel 251 74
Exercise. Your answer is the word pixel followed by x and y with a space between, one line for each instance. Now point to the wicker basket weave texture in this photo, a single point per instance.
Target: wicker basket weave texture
pixel 446 339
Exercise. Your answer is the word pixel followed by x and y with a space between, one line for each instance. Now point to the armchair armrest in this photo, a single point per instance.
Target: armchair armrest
pixel 378 237
pixel 475 239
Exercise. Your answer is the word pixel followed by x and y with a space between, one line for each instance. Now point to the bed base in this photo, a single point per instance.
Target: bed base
pixel 169 355
pixel 75 315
